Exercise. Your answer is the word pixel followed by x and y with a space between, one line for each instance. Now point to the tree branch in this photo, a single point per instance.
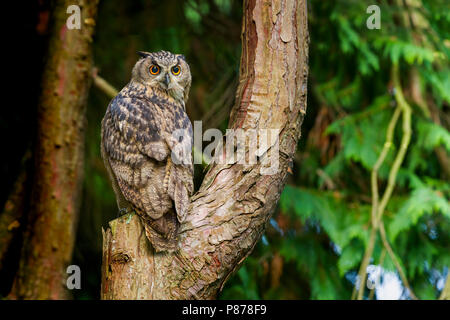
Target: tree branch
pixel 228 214
pixel 103 85
pixel 378 208
pixel 377 281
pixel 375 199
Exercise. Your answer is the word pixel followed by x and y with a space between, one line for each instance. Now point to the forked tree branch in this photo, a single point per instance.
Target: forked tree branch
pixel 378 208
pixel 228 214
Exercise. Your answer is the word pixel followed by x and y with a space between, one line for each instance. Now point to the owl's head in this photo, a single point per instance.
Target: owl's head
pixel 165 71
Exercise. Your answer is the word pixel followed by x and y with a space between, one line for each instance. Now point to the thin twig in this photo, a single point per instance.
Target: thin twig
pixel 394 259
pixel 363 268
pixel 104 85
pixel 377 281
pixel 406 138
pixel 375 197
pixel 374 176
pixel 378 208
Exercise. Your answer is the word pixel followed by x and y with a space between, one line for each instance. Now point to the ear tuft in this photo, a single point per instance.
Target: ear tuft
pixel 142 54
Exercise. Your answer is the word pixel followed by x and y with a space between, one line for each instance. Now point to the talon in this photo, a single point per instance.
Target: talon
pixel 123 211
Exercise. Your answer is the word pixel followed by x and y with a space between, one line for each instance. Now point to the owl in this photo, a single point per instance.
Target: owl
pixel 146 145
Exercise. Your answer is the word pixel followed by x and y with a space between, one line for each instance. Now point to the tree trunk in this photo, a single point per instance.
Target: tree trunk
pixel 58 170
pixel 12 215
pixel 228 214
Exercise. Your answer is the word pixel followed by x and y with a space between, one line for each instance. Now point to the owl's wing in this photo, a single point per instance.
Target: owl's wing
pixel 179 137
pixel 139 125
pixel 181 185
pixel 135 150
pixel 180 189
pixel 136 134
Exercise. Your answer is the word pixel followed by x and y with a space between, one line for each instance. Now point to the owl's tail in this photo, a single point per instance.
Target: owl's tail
pixel 163 232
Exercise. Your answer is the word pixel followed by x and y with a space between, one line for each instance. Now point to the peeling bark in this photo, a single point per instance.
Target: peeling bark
pixel 58 158
pixel 228 214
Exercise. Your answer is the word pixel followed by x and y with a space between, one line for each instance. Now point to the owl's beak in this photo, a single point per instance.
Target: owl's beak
pixel 167 80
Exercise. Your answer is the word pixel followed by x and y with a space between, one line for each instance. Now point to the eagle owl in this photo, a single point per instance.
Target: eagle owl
pixel 146 146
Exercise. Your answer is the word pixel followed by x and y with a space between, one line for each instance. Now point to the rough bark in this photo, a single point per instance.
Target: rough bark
pixel 11 217
pixel 58 161
pixel 228 214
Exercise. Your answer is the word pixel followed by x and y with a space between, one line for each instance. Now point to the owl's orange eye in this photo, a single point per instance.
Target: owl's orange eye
pixel 176 70
pixel 154 69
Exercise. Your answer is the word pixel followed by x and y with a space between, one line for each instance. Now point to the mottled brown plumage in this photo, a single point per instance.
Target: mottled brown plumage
pixel 146 146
